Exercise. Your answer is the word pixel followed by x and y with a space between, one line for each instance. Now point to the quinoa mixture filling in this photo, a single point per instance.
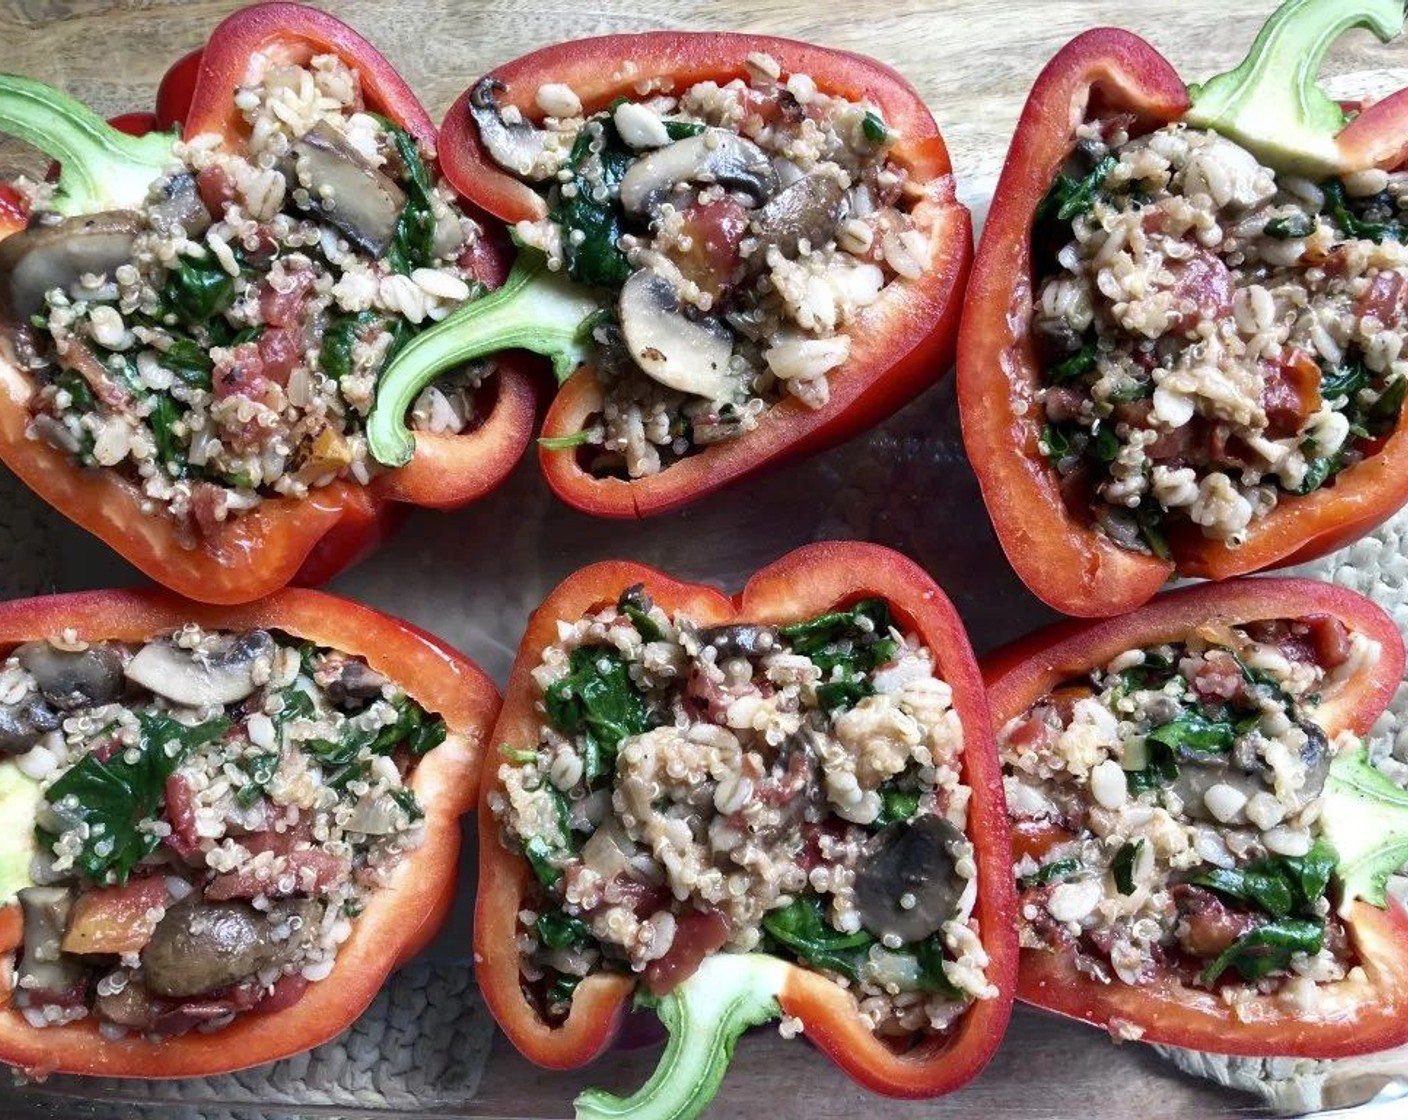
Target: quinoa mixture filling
pixel 792 790
pixel 1166 810
pixel 744 226
pixel 211 812
pixel 1217 337
pixel 222 344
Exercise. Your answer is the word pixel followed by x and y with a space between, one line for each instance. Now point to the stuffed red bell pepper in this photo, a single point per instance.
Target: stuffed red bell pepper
pixel 782 804
pixel 1199 842
pixel 1181 353
pixel 196 323
pixel 222 827
pixel 752 244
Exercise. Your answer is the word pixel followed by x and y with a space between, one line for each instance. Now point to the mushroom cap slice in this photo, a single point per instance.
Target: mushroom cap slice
pixel 712 156
pixel 691 355
pixel 517 147
pixel 200 947
pixel 73 678
pixel 910 861
pixel 58 255
pixel 809 210
pixel 360 201
pixel 201 678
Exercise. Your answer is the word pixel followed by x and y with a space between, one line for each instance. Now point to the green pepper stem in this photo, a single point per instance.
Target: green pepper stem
pixel 1271 103
pixel 537 309
pixel 705 1016
pixel 1365 819
pixel 100 168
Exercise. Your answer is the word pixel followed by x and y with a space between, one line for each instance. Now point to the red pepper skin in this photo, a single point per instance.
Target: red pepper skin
pixel 398 921
pixel 1355 1017
pixel 177 90
pixel 283 540
pixel 1065 562
pixel 899 346
pixel 801 585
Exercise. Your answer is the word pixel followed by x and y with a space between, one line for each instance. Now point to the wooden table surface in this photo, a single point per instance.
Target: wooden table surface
pixel 973 60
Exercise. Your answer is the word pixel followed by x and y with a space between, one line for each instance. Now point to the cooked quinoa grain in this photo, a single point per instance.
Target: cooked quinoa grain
pixel 1218 338
pixel 221 345
pixel 1166 811
pixel 214 810
pixel 745 227
pixel 747 788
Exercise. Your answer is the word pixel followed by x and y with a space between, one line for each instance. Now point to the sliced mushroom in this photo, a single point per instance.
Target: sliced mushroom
pixel 809 210
pixel 201 678
pixel 180 208
pixel 59 255
pixel 201 947
pixel 1317 757
pixel 713 156
pixel 74 679
pixel 356 683
pixel 688 354
pixel 908 886
pixel 518 146
pixel 43 967
pixel 24 722
pixel 741 640
pixel 343 190
pixel 1243 770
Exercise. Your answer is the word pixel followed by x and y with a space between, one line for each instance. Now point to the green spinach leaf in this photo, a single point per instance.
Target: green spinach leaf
pixel 598 701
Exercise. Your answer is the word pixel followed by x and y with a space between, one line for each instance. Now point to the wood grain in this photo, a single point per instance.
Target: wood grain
pixel 973 61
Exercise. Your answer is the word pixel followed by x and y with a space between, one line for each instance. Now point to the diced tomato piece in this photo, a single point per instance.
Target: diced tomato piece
pixel 706 695
pixel 1033 731
pixel 281 349
pixel 642 898
pixel 714 231
pixel 306 872
pixel 1219 679
pixel 697 934
pixel 216 189
pixel 191 1014
pixel 1208 925
pixel 241 374
pixel 1036 836
pixel 287 991
pixel 1205 282
pixel 1290 393
pixel 1386 298
pixel 280 843
pixel 283 307
pixel 181 815
pixel 1330 638
pixel 207 502
pixel 113 920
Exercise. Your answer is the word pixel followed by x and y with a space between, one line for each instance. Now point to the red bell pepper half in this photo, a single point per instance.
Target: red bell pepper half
pixel 1271 105
pixel 1364 816
pixel 398 921
pixel 283 540
pixel 899 345
pixel 732 991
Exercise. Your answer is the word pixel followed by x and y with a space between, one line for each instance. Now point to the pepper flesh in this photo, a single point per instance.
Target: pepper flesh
pixel 1351 1016
pixel 1063 560
pixel 899 345
pixel 398 921
pixel 283 540
pixel 801 585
